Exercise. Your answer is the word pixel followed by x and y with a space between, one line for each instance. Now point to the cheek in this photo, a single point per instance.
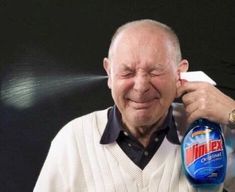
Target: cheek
pixel 125 84
pixel 121 87
pixel 165 85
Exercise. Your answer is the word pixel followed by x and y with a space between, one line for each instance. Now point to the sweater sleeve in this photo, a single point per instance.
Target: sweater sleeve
pixel 51 178
pixel 61 165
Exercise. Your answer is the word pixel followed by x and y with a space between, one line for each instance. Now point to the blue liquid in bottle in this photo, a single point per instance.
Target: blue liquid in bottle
pixel 204 155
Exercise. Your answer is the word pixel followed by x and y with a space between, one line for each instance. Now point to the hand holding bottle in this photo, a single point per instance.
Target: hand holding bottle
pixel 203 100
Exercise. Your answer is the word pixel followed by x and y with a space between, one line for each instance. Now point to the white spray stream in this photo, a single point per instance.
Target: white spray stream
pixel 24 90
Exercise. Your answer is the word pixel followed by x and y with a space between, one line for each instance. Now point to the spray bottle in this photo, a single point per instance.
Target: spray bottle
pixel 203 150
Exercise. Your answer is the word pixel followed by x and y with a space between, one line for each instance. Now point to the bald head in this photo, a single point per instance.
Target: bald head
pixel 147 25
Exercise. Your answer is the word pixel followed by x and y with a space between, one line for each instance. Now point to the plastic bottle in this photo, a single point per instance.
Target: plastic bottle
pixel 203 154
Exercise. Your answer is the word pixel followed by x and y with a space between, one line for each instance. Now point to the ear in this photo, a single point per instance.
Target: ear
pixel 107 67
pixel 182 67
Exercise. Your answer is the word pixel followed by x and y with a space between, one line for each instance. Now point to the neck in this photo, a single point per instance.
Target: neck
pixel 143 133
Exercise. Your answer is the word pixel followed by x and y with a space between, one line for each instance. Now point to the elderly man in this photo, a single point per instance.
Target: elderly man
pixel 135 145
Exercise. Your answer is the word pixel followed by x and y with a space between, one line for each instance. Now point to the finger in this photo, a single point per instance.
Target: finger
pixel 189 97
pixel 193 117
pixel 184 88
pixel 181 89
pixel 194 112
pixel 190 108
pixel 191 86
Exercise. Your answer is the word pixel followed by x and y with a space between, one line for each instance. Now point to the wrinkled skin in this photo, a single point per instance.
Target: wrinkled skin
pixel 203 100
pixel 143 77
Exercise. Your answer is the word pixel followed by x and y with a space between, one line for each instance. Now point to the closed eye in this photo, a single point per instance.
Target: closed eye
pixel 127 74
pixel 154 73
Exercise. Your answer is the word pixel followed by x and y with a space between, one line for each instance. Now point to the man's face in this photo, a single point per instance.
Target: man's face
pixel 142 76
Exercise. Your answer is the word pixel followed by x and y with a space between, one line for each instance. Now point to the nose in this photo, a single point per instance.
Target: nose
pixel 142 83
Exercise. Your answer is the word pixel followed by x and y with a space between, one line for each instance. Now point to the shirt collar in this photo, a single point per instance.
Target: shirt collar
pixel 114 127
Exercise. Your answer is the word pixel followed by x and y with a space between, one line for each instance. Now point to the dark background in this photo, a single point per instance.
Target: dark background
pixel 43 39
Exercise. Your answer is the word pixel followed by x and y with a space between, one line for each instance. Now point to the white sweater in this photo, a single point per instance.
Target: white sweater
pixel 77 162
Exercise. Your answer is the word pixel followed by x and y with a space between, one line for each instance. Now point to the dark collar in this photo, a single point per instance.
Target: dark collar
pixel 114 127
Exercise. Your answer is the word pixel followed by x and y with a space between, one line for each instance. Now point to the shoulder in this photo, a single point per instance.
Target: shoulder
pixel 94 120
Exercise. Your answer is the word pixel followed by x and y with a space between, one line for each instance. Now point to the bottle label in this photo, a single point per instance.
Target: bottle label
pixel 197 151
pixel 203 153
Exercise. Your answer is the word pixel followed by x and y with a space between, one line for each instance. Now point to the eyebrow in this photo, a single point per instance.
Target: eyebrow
pixel 125 67
pixel 157 67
